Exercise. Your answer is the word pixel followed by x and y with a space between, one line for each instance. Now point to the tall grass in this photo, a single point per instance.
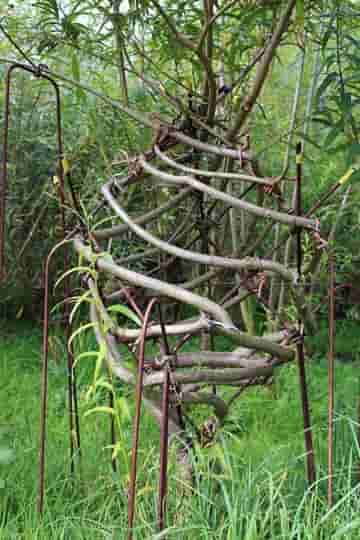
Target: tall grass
pixel 250 485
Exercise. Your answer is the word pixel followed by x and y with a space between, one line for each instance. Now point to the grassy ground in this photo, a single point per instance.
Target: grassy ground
pixel 251 485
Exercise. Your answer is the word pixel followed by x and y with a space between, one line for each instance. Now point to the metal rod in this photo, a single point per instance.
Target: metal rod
pixel 38 72
pixel 168 352
pixel 164 443
pixel 163 332
pixel 112 428
pixel 133 304
pixel 44 389
pixel 331 379
pixel 138 402
pixel 70 379
pixel 212 348
pixel 164 431
pixel 44 379
pixel 306 415
pixel 300 346
pixel 74 421
pixel 77 415
pixel 3 184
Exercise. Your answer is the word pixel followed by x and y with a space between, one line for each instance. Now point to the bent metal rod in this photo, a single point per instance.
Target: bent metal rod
pixel 74 428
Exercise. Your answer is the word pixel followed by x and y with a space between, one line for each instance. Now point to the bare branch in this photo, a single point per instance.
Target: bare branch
pixel 262 71
pixel 118 230
pixel 228 199
pixel 210 174
pixel 247 263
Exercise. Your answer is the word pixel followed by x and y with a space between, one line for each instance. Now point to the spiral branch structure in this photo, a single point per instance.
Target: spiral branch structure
pixel 200 193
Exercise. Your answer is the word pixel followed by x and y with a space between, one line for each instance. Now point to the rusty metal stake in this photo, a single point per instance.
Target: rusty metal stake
pixel 44 385
pixel 44 378
pixel 164 432
pixel 138 402
pixel 212 348
pixel 72 391
pixel 74 426
pixel 112 427
pixel 164 443
pixel 306 415
pixel 300 346
pixel 38 72
pixel 331 379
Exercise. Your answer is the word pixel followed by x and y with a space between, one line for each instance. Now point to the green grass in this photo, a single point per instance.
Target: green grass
pixel 251 485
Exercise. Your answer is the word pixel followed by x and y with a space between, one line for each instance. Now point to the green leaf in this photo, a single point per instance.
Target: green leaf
pixel 49 7
pixel 345 103
pixel 102 409
pixel 334 133
pixel 6 456
pixel 123 310
pixel 342 532
pixel 329 31
pixel 91 354
pixel 80 269
pixel 353 154
pixel 311 141
pixel 330 78
pixel 99 362
pixel 102 383
pixel 79 331
pixel 108 257
pixel 300 14
pixel 123 407
pixel 75 67
pixel 83 298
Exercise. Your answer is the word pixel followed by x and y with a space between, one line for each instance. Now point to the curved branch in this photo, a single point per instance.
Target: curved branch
pixel 160 287
pixel 179 329
pixel 182 230
pixel 117 230
pixel 247 263
pixel 234 359
pixel 211 174
pixel 210 376
pixel 280 217
pixel 222 322
pixel 211 148
pixel 177 235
